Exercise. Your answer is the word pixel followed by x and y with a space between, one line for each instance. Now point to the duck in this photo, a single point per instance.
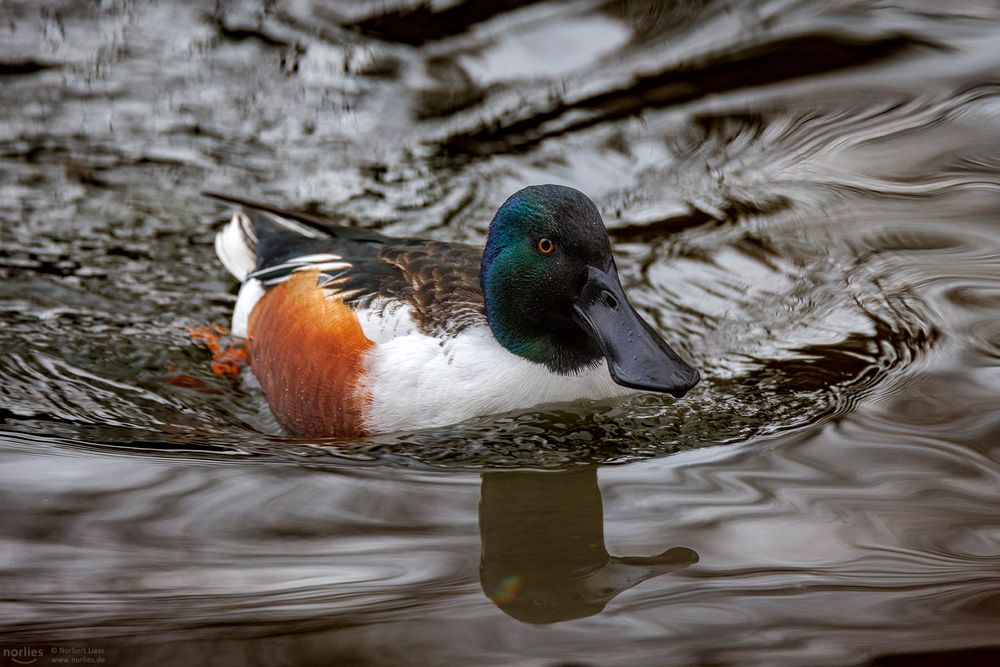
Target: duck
pixel 351 332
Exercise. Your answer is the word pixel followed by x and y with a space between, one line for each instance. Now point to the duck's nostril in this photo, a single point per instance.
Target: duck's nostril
pixel 610 301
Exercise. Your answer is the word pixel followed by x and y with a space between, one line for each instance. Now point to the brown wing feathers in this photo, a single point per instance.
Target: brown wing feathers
pixel 439 281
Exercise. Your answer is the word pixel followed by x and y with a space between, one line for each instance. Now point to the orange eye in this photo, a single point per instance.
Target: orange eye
pixel 545 246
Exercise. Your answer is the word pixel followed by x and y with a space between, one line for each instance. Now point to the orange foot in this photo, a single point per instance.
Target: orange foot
pixel 229 354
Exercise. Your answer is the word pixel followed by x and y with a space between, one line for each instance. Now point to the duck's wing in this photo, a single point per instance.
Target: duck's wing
pixel 436 283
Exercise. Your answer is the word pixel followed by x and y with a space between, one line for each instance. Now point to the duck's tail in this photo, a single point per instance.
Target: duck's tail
pixel 236 246
pixel 263 245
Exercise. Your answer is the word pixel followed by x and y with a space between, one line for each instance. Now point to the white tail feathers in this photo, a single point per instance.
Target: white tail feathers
pixel 233 246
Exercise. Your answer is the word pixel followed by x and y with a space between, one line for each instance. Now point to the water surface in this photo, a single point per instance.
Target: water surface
pixel 803 197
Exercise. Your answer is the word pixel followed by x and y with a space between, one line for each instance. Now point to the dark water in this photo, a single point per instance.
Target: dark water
pixel 804 196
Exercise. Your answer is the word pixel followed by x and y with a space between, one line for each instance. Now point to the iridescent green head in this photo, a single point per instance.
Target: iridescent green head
pixel 553 295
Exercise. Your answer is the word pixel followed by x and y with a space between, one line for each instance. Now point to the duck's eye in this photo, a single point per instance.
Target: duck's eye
pixel 546 246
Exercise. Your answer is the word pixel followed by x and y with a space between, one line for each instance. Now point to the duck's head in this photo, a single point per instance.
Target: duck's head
pixel 553 295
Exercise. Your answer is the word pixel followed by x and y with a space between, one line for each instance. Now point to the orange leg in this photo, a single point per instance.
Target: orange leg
pixel 229 354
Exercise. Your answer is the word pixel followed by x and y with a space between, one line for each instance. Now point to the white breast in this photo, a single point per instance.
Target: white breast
pixel 416 381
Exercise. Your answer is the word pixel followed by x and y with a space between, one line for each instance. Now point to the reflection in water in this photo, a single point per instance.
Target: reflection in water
pixel 543 553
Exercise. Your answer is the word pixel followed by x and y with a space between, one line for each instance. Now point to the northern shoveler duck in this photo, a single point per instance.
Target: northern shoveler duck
pixel 351 332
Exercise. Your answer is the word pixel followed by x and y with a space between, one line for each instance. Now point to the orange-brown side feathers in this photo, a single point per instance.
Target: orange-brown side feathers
pixel 306 351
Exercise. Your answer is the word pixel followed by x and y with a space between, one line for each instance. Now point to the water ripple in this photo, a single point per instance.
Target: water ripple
pixel 802 199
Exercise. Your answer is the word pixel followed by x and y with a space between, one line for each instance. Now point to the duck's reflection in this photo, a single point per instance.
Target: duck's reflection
pixel 543 554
